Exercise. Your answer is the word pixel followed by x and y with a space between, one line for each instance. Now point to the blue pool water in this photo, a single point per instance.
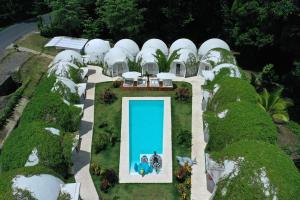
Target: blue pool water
pixel 146 120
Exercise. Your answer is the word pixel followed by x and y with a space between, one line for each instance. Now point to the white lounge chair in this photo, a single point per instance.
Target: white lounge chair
pixel 128 82
pixel 141 82
pixel 154 82
pixel 168 83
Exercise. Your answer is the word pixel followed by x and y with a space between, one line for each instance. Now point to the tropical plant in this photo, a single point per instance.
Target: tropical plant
pixel 183 94
pixel 108 97
pixel 275 105
pixel 164 61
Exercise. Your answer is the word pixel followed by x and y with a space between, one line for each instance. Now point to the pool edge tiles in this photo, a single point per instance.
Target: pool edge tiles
pixel 165 176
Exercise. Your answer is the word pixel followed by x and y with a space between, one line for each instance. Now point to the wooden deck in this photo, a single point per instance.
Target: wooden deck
pixel 147 88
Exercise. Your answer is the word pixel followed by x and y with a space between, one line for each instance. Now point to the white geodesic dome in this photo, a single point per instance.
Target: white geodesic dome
pixel 212 44
pixel 148 61
pixel 128 45
pixel 68 56
pixel 186 64
pixel 96 50
pixel 156 44
pixel 116 62
pixel 211 74
pixel 183 43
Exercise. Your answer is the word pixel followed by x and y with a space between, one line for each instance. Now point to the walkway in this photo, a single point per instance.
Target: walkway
pixel 199 189
pixel 82 159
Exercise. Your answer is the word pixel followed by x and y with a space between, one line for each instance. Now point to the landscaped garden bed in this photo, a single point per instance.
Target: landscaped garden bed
pixel 107 128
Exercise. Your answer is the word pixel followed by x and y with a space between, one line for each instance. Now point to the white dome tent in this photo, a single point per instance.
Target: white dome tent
pixel 215 57
pixel 69 56
pixel 183 43
pixel 148 61
pixel 64 69
pixel 96 50
pixel 115 62
pixel 233 71
pixel 156 44
pixel 129 46
pixel 186 64
pixel 212 44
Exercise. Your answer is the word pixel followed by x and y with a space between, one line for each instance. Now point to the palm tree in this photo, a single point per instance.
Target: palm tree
pixel 275 105
pixel 164 61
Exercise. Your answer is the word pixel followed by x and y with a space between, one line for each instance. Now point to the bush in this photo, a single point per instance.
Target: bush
pixel 243 121
pixel 229 92
pixel 108 97
pixel 111 176
pixel 183 173
pixel 116 84
pixel 184 189
pixel 96 169
pixel 101 142
pixel 284 179
pixel 294 127
pixel 183 94
pixel 184 138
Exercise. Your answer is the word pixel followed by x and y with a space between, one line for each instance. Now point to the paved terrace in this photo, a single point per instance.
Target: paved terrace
pixel 83 158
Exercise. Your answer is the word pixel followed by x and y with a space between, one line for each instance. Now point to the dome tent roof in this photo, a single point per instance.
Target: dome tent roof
pixel 147 56
pixel 183 43
pixel 114 55
pixel 156 44
pixel 96 50
pixel 212 44
pixel 129 45
pixel 68 56
pixel 218 56
pixel 184 55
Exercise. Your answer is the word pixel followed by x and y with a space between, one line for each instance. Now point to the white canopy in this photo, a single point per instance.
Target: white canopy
pixel 63 42
pixel 156 44
pixel 65 86
pixel 45 186
pixel 212 44
pixel 128 45
pixel 96 50
pixel 133 75
pixel 62 69
pixel 183 43
pixel 68 56
pixel 164 76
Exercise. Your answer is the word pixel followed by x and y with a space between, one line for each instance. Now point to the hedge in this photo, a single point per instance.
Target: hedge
pixel 283 176
pixel 6 179
pixel 243 121
pixel 232 89
pixel 51 148
pixel 6 112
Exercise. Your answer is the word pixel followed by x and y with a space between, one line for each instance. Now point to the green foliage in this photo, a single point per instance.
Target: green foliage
pixel 23 195
pixel 232 90
pixel 75 75
pixel 183 94
pixel 263 29
pixel 64 196
pixel 135 65
pixel 184 138
pixel 6 112
pixel 275 105
pixel 6 178
pixel 294 127
pixel 121 17
pixel 258 157
pixel 243 121
pixel 101 142
pixel 164 61
pixel 66 92
pixel 108 96
pixel 192 66
pixel 225 57
pixel 267 78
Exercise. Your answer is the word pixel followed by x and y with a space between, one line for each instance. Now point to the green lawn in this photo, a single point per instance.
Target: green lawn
pixel 109 158
pixel 37 42
pixel 33 70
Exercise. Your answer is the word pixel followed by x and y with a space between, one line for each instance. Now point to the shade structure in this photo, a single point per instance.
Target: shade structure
pixel 164 76
pixel 115 62
pixel 63 42
pixel 183 43
pixel 69 56
pixel 212 44
pixel 148 61
pixel 131 75
pixel 128 45
pixel 96 50
pixel 156 44
pixel 186 64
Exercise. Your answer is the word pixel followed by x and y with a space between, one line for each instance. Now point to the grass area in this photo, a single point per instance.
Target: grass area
pixel 33 70
pixel 109 158
pixel 37 42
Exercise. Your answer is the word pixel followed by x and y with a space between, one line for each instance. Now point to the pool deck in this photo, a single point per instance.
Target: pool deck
pixel 166 175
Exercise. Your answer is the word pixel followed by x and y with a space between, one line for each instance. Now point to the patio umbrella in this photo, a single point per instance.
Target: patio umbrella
pixel 133 75
pixel 163 76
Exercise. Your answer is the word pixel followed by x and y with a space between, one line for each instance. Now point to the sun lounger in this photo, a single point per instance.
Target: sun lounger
pixel 154 82
pixel 141 82
pixel 128 82
pixel 168 83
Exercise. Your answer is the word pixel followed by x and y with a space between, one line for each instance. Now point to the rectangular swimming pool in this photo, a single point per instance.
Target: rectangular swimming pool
pixel 146 123
pixel 146 127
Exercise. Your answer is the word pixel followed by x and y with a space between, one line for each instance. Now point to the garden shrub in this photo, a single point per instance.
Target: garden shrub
pixel 184 138
pixel 257 156
pixel 101 142
pixel 28 136
pixel 232 90
pixel 111 176
pixel 183 94
pixel 96 169
pixel 116 84
pixel 108 96
pixel 243 121
pixel 51 109
pixel 294 127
